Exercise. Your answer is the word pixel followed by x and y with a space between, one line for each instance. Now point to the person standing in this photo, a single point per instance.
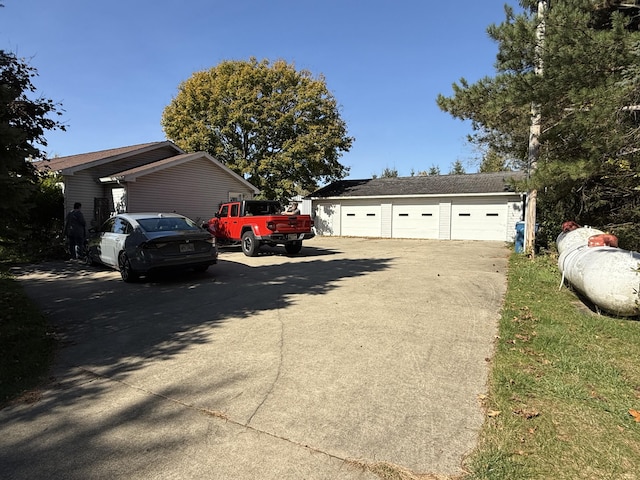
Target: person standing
pixel 292 209
pixel 75 230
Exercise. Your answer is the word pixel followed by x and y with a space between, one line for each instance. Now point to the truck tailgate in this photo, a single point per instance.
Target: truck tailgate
pixel 290 223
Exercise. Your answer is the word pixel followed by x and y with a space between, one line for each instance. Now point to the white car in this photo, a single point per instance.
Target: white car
pixel 141 243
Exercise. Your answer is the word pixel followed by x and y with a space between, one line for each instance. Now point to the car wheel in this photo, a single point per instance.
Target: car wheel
pixel 249 244
pixel 126 272
pixel 293 247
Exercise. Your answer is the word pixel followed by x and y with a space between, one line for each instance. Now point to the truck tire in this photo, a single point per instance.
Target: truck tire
pixel 293 247
pixel 250 245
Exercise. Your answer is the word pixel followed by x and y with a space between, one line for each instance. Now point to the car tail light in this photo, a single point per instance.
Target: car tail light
pixel 150 245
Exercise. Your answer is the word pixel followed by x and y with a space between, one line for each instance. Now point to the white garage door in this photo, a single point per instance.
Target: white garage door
pixel 411 220
pixel 361 220
pixel 479 219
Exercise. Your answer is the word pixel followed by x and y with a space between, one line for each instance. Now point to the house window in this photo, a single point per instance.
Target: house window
pixel 236 196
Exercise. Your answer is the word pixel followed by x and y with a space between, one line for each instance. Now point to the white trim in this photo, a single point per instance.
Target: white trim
pixel 418 195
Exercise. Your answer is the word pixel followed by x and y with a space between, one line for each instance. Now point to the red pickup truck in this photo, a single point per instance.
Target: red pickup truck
pixel 253 223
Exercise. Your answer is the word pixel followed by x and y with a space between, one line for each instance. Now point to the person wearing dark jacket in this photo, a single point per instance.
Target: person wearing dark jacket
pixel 75 230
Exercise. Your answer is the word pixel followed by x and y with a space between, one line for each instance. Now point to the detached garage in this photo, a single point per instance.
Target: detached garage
pixel 482 206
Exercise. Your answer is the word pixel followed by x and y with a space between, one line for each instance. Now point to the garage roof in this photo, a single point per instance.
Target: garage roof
pixel 422 185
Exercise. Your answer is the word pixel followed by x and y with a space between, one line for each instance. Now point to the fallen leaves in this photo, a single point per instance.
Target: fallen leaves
pixel 635 414
pixel 527 413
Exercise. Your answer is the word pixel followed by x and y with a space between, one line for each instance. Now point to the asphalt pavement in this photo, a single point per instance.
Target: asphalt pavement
pixel 355 356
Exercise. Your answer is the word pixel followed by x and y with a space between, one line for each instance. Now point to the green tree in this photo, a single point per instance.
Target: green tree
pixel 277 127
pixel 433 170
pixel 389 173
pixel 588 93
pixel 457 168
pixel 493 162
pixel 23 123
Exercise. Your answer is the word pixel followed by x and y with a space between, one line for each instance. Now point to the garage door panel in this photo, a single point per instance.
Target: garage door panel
pixel 415 221
pixel 361 220
pixel 478 220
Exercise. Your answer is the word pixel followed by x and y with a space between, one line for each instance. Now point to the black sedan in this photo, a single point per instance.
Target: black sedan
pixel 141 243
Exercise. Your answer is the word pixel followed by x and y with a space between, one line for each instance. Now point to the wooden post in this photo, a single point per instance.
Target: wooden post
pixel 534 142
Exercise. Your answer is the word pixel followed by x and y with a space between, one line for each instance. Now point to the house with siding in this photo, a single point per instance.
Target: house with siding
pixel 150 177
pixel 481 206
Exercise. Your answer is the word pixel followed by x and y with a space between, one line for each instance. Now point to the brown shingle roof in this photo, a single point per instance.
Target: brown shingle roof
pixel 421 185
pixel 61 163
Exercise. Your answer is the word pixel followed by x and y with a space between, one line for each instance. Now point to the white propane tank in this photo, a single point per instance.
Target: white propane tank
pixel 608 276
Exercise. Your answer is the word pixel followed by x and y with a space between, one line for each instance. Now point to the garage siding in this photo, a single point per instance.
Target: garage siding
pixel 327 218
pixel 444 223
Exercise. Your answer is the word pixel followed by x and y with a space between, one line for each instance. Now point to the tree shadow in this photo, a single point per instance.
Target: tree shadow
pixel 109 329
pixel 103 323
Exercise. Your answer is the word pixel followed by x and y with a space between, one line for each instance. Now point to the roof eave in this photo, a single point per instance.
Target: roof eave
pixel 417 195
pixel 113 158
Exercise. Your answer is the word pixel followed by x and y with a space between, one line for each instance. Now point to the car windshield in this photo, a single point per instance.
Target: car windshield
pixel 162 224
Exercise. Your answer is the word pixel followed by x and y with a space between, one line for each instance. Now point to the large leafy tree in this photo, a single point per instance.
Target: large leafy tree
pixel 23 123
pixel 588 95
pixel 277 127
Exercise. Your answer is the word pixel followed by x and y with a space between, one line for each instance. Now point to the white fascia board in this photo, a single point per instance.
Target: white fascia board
pixel 422 195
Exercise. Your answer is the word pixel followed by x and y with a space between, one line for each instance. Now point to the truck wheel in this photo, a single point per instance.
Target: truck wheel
pixel 293 247
pixel 249 244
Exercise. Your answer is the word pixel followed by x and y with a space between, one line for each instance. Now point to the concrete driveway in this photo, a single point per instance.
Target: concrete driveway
pixel 355 357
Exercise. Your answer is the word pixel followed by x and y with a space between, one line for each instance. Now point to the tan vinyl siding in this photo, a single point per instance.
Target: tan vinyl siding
pixel 82 188
pixel 194 189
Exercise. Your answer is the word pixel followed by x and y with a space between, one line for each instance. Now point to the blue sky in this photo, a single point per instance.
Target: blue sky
pixel 115 65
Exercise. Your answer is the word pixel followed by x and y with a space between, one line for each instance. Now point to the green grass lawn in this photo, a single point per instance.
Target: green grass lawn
pixel 562 384
pixel 25 342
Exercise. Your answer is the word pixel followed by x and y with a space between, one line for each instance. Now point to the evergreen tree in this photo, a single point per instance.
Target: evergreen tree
pixel 492 162
pixel 389 173
pixel 433 170
pixel 588 93
pixel 457 168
